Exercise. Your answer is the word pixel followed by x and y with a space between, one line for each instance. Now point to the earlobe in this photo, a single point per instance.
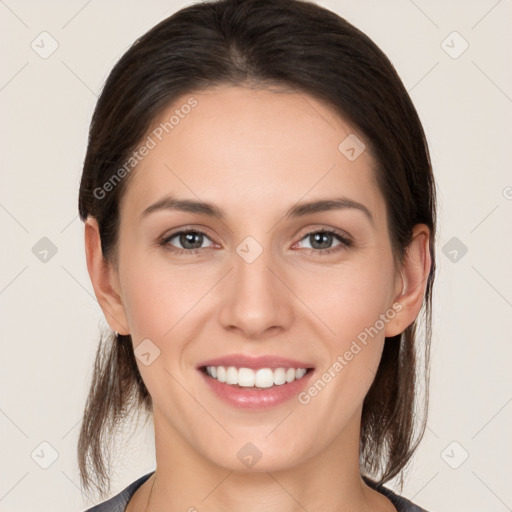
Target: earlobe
pixel 104 279
pixel 414 272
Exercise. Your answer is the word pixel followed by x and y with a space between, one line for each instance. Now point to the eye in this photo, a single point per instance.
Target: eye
pixel 321 242
pixel 191 241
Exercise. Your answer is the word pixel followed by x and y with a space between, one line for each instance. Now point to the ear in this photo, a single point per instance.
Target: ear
pixel 415 270
pixel 104 279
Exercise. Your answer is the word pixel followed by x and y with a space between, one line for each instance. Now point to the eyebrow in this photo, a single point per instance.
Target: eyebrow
pixel 170 202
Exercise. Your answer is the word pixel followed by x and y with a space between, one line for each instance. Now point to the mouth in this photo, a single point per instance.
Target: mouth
pixel 255 382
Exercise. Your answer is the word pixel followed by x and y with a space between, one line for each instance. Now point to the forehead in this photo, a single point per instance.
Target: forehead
pixel 251 148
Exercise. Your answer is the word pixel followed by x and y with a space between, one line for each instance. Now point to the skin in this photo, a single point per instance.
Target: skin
pixel 256 153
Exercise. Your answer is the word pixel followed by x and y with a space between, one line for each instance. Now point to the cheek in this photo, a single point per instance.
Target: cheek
pixel 158 294
pixel 363 310
pixel 349 298
pixel 162 302
pixel 165 301
pixel 350 302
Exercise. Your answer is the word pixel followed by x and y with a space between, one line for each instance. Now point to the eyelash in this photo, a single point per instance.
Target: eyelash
pixel 345 242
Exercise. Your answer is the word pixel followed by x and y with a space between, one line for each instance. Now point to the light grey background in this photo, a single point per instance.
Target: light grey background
pixel 49 316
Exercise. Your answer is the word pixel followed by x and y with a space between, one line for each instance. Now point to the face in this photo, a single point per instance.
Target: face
pixel 262 277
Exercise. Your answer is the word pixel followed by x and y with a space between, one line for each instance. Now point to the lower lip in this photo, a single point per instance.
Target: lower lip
pixel 256 398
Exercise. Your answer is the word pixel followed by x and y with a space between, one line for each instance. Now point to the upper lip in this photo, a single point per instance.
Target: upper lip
pixel 255 362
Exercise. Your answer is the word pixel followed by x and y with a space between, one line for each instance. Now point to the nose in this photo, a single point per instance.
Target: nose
pixel 256 299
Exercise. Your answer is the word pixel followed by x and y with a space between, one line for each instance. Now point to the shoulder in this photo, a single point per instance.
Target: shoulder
pixel 118 502
pixel 401 504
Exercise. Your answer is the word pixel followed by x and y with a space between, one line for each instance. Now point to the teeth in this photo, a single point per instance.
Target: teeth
pixel 221 373
pixel 261 378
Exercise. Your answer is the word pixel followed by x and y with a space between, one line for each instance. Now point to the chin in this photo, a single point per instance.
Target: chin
pixel 254 457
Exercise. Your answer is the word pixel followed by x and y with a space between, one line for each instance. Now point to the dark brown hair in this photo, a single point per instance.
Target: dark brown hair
pixel 264 43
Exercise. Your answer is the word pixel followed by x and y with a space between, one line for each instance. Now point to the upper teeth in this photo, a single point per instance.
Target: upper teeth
pixel 262 378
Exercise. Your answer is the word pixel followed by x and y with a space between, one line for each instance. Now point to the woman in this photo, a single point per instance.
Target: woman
pixel 259 213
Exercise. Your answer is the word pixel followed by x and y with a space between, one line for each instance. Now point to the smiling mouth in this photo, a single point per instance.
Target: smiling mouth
pixel 261 378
